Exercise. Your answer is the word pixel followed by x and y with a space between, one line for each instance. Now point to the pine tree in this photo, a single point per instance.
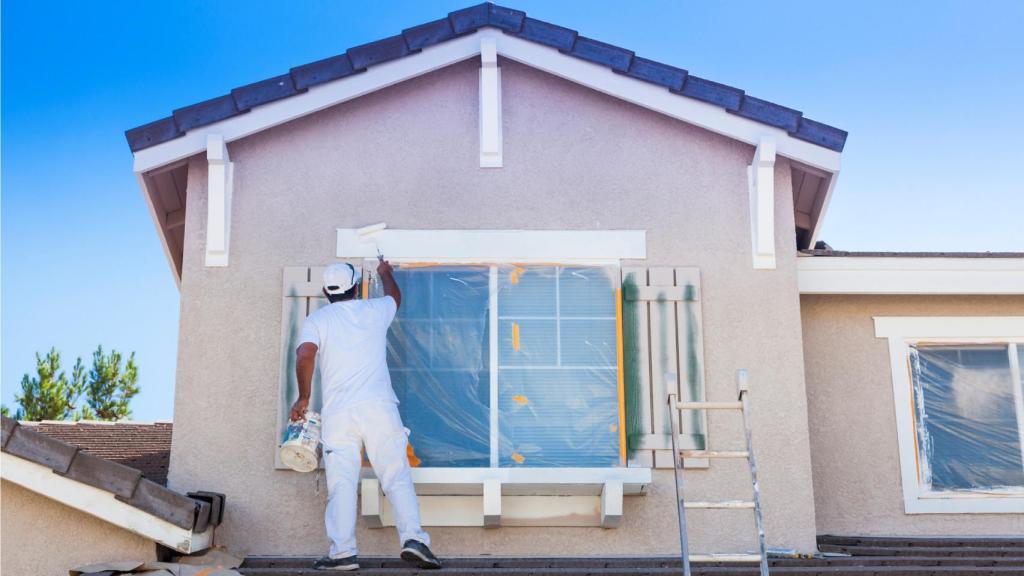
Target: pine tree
pixel 110 387
pixel 50 395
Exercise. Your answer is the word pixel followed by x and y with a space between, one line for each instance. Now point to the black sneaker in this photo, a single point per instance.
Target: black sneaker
pixel 328 563
pixel 416 552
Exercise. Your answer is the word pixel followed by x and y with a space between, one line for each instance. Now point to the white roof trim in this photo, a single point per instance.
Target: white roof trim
pixel 101 504
pixel 907 275
pixel 544 58
pixel 659 99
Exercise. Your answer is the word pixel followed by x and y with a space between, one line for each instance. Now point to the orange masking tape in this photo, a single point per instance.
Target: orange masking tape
pixel 515 336
pixel 621 375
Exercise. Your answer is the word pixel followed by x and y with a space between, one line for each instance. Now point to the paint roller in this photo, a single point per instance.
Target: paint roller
pixel 365 231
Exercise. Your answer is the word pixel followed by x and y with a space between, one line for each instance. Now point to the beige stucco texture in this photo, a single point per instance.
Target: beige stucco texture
pixel 409 156
pixel 41 537
pixel 857 484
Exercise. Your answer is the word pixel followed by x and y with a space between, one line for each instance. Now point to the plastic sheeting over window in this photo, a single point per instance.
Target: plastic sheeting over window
pixel 543 390
pixel 439 362
pixel 968 409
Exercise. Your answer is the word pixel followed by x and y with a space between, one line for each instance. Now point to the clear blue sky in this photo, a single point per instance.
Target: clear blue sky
pixel 931 93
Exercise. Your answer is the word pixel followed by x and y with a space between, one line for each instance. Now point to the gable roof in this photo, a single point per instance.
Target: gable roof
pixel 466 21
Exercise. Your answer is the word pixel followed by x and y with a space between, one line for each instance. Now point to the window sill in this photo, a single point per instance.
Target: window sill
pixel 966 503
pixel 492 497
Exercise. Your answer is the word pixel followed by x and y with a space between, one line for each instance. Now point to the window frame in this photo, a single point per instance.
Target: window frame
pixel 493 266
pixel 902 332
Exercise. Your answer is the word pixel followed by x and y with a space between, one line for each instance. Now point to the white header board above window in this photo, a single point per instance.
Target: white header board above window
pixel 519 246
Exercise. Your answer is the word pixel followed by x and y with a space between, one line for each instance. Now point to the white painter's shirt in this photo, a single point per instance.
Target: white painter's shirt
pixel 351 340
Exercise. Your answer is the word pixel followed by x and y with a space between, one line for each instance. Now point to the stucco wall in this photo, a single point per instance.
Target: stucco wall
pixel 45 538
pixel 408 155
pixel 854 450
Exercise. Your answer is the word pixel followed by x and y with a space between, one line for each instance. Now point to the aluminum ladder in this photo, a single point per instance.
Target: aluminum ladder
pixel 674 406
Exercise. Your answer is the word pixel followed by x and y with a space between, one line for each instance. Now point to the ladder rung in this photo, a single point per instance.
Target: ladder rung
pixel 709 405
pixel 714 453
pixel 727 504
pixel 725 557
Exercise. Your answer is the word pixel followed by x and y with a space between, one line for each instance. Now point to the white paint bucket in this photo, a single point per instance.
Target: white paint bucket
pixel 299 450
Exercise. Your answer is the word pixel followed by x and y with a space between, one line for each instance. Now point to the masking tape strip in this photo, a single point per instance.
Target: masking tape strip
pixel 619 354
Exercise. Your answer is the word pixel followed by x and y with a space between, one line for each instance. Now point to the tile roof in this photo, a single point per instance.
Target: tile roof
pixel 467 21
pixel 848 254
pixel 74 450
pixel 145 447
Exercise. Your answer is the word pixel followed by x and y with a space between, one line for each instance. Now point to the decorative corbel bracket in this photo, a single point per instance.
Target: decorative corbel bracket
pixel 490 104
pixel 761 185
pixel 218 203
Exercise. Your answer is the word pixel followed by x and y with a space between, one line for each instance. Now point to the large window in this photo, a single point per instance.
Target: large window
pixel 542 389
pixel 967 400
pixel 960 412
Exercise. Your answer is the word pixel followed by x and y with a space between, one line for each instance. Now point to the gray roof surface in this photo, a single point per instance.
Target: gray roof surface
pixel 466 21
pixel 127 483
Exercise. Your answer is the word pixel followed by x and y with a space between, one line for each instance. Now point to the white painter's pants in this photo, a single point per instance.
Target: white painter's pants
pixel 378 426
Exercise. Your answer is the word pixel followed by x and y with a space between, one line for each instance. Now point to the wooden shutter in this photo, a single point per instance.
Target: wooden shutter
pixel 662 335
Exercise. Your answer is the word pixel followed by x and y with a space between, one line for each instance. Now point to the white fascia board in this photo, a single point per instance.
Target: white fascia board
pixel 101 504
pixel 492 246
pixel 315 99
pixel 896 275
pixel 544 58
pixel 659 99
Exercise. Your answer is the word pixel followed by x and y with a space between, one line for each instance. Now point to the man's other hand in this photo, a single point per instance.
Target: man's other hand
pixel 384 268
pixel 299 410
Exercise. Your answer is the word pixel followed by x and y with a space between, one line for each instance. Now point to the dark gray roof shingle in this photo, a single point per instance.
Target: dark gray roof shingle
pixel 547 34
pixel 264 91
pixel 322 71
pixel 467 21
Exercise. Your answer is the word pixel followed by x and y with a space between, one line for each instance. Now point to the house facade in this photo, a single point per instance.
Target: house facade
pixel 578 232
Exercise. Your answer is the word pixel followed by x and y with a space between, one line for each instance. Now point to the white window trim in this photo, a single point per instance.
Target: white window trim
pixel 902 332
pixel 491 497
pixel 597 247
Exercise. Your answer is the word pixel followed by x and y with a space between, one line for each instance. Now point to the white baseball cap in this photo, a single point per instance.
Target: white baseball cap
pixel 340 278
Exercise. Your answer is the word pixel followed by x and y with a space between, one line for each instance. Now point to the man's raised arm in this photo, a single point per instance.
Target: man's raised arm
pixel 387 279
